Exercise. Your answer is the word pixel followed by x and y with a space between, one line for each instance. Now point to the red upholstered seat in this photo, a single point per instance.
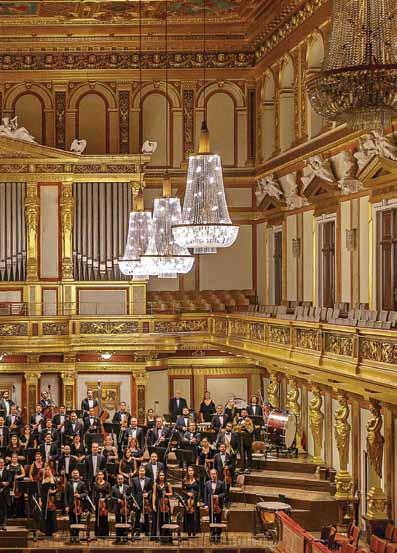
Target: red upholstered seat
pixel 348 548
pixel 391 548
pixel 389 531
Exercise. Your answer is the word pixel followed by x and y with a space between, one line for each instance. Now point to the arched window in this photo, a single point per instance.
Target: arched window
pixel 154 110
pixel 92 118
pixel 30 111
pixel 287 104
pixel 314 60
pixel 268 117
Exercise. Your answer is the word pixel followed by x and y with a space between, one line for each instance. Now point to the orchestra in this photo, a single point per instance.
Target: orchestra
pixel 78 466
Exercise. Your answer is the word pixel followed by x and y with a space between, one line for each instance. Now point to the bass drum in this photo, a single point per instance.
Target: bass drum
pixel 281 428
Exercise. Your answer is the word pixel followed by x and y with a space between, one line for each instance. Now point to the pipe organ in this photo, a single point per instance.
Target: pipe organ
pixel 12 231
pixel 101 213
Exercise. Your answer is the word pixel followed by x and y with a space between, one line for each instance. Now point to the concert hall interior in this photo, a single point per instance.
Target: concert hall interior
pixel 198 275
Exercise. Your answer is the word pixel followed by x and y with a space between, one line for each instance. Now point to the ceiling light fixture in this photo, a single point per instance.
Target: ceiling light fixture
pixel 106 355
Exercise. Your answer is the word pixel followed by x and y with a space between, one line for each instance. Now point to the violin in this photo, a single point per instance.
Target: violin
pixel 164 505
pixel 124 507
pixel 216 505
pixel 51 506
pixel 78 509
pixel 227 473
pixel 190 505
pixel 103 507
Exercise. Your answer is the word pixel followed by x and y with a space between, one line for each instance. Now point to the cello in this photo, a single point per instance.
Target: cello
pixel 101 413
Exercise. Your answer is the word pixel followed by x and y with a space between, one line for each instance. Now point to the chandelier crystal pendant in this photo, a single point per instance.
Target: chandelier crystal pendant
pixel 358 81
pixel 206 224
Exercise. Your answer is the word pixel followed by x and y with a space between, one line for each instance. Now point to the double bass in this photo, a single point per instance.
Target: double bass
pixel 101 413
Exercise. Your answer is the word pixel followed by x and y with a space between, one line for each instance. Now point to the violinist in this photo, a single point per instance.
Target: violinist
pixel 49 450
pixel 128 466
pixel 109 451
pixel 224 466
pixel 191 488
pixel 154 467
pixel 14 421
pixel 49 430
pixel 67 463
pixel 37 421
pixel 89 402
pixel 101 492
pixel 120 493
pixel 28 440
pixel 36 469
pixel 136 451
pixel 94 463
pixel 75 493
pixel 4 433
pixel 92 424
pixel 150 421
pixel 5 484
pixel 141 488
pixel 73 427
pixel 162 491
pixel 17 473
pixel 214 497
pixel 14 447
pixel 48 489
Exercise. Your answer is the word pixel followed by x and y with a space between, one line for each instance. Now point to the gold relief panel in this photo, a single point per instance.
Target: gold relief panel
pixel 280 335
pixel 308 339
pixel 55 329
pixel 200 325
pixel 110 394
pixel 69 396
pixel 14 329
pixel 32 397
pixel 220 327
pixel 247 330
pixel 339 344
pixel 377 350
pixel 109 327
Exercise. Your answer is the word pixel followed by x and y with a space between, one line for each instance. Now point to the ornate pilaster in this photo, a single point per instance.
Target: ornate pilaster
pixel 377 500
pixel 32 390
pixel 188 119
pixel 316 419
pixel 66 210
pixel 141 379
pixel 277 147
pixel 344 481
pixel 32 215
pixel 124 121
pixel 68 376
pixel 294 407
pixel 273 390
pixel 60 120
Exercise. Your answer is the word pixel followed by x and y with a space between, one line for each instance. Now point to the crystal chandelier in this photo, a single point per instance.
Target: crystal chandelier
pixel 358 81
pixel 164 256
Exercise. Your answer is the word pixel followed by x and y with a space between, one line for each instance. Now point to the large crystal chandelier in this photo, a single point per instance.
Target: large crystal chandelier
pixel 164 256
pixel 358 81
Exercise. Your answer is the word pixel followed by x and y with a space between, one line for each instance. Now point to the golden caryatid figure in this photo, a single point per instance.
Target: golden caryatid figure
pixel 342 432
pixel 273 390
pixel 294 407
pixel 316 418
pixel 375 440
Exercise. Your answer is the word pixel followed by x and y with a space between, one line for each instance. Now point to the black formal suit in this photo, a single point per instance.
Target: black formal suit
pixel 18 424
pixel 5 405
pixel 40 421
pixel 53 452
pixel 220 491
pixel 92 425
pixel 233 439
pixel 101 465
pixel 139 435
pixel 116 495
pixel 219 421
pixel 56 420
pixel 117 417
pixel 62 465
pixel 5 439
pixel 52 432
pixel 5 499
pixel 220 464
pixel 255 411
pixel 182 422
pixel 70 432
pixel 153 436
pixel 149 470
pixel 137 492
pixel 176 406
pixel 81 489
pixel 85 405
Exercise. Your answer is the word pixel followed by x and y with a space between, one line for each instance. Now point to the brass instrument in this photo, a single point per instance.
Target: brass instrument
pixel 229 448
pixel 241 424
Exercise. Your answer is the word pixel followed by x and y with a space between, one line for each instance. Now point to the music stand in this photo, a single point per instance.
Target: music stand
pixel 111 428
pixel 90 438
pixel 185 456
pixel 82 468
pixel 160 452
pixel 112 469
pixel 30 454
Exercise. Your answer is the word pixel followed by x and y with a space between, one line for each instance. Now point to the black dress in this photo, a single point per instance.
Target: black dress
pixel 207 410
pixel 48 509
pixel 162 513
pixel 101 492
pixel 191 521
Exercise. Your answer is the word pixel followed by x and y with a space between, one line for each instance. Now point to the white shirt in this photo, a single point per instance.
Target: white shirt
pixel 177 403
pixel 142 483
pixel 121 488
pixel 221 419
pixel 75 484
pixel 47 448
pixel 94 463
pixel 213 485
pixel 223 457
pixel 154 468
pixel 90 403
pixel 67 459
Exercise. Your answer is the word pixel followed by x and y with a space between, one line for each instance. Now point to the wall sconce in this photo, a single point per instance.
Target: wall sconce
pixel 106 355
pixel 296 247
pixel 351 239
pixel 3 355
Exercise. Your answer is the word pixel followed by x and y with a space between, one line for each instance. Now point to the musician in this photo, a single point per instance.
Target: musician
pixel 136 452
pixel 77 449
pixel 92 424
pixel 176 405
pixel 4 433
pixel 224 466
pixel 141 488
pixel 206 453
pixel 254 409
pixel 230 410
pixel 73 427
pixel 37 421
pixel 207 408
pixel 14 447
pixel 49 450
pixel 109 451
pixel 122 438
pixel 89 402
pixel 191 489
pixel 44 401
pixel 28 439
pixel 214 497
pixel 48 489
pixel 94 463
pixel 120 493
pixel 150 420
pixel 219 420
pixel 229 438
pixel 192 438
pixel 48 430
pixel 154 467
pixel 159 435
pixel 183 421
pixel 59 420
pixel 101 494
pixel 5 500
pixel 162 491
pixel 67 463
pixel 17 473
pixel 244 425
pixel 6 403
pixel 121 414
pixel 14 421
pixel 128 466
pixel 136 432
pixel 75 492
pixel 36 470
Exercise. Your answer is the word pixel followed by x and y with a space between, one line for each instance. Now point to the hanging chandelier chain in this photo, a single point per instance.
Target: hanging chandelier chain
pixel 205 56
pixel 166 90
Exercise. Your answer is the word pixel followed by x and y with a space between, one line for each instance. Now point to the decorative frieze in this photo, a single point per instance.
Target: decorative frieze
pixel 199 325
pixel 124 121
pixel 247 330
pixel 14 329
pixel 280 335
pixel 220 327
pixel 339 344
pixel 55 329
pixel 60 118
pixel 308 339
pixel 378 350
pixel 109 327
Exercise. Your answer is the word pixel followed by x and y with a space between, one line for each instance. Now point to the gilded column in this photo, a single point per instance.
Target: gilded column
pixel 273 390
pixel 32 391
pixel 32 214
pixel 344 481
pixel 316 420
pixel 141 379
pixel 377 500
pixel 277 147
pixel 68 376
pixel 66 210
pixel 294 407
pixel 188 101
